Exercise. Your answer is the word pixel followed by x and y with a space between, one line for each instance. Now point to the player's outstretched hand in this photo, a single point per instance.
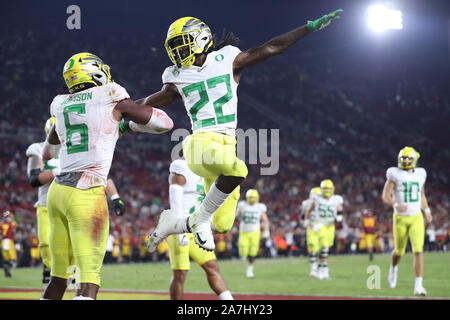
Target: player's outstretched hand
pixel 119 206
pixel 324 21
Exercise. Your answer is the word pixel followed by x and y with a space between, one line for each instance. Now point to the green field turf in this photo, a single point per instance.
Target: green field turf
pixel 287 276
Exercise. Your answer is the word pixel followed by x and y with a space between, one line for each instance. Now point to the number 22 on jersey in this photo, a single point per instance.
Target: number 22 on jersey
pixel 204 99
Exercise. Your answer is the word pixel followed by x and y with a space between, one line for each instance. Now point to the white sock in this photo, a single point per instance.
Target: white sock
pixel 226 295
pixel 82 298
pixel 418 281
pixel 393 269
pixel 213 200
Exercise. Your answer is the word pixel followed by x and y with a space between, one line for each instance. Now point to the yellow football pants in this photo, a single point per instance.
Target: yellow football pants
pixel 43 235
pixel 412 226
pixel 179 255
pixel 210 155
pixel 79 227
pixel 249 243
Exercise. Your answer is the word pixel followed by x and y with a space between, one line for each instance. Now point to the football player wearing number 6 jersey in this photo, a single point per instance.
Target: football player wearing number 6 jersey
pixel 205 75
pixel 404 191
pixel 186 193
pixel 86 129
pixel 251 213
pixel 327 208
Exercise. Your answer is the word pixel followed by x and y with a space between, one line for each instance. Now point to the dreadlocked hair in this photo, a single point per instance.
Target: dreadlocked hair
pixel 228 39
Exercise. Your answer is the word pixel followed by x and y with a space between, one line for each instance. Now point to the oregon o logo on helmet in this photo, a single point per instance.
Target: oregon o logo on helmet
pixel 219 57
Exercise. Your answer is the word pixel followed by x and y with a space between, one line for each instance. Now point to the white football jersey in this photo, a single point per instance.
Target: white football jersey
pixel 408 188
pixel 325 210
pixel 250 215
pixel 209 92
pixel 88 132
pixel 193 190
pixel 36 149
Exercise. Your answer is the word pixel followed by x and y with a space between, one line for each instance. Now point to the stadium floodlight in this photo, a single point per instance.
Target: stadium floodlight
pixel 381 18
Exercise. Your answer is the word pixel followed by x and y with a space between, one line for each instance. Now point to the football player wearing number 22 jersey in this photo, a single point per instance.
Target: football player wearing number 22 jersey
pixel 205 76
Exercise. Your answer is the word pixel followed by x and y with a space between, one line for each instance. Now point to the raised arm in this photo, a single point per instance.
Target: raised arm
pixel 162 98
pixel 279 44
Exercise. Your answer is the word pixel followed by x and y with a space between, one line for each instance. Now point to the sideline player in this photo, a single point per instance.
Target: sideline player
pixel 312 235
pixel 40 174
pixel 368 221
pixel 9 253
pixel 84 136
pixel 186 193
pixel 252 215
pixel 328 208
pixel 404 191
pixel 205 75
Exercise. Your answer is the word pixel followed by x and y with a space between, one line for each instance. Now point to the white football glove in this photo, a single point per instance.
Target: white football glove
pixel 266 234
pixel 183 240
pixel 339 218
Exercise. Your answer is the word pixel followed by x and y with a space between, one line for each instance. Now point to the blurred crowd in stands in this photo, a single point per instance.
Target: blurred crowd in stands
pixel 334 123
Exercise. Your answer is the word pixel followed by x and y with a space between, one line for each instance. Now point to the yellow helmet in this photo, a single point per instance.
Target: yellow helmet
pixel 187 32
pixel 48 125
pixel 85 70
pixel 327 188
pixel 314 191
pixel 252 196
pixel 410 154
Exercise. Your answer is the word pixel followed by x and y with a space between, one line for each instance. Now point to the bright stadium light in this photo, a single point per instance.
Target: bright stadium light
pixel 381 18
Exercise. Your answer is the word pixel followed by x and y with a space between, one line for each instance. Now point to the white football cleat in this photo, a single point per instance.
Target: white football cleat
pixel 201 230
pixel 166 226
pixel 326 274
pixel 250 274
pixel 320 274
pixel 392 278
pixel 420 291
pixel 313 273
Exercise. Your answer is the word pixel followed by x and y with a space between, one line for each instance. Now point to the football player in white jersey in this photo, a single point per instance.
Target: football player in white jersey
pixel 404 191
pixel 40 174
pixel 87 124
pixel 328 207
pixel 205 76
pixel 312 234
pixel 186 193
pixel 252 215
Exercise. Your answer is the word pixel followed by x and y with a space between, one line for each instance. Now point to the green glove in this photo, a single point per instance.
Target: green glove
pixel 321 23
pixel 122 128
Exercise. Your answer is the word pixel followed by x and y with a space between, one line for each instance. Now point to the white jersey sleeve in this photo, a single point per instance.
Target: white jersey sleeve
pixel 179 167
pixel 34 149
pixel 118 93
pixel 390 174
pixel 263 207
